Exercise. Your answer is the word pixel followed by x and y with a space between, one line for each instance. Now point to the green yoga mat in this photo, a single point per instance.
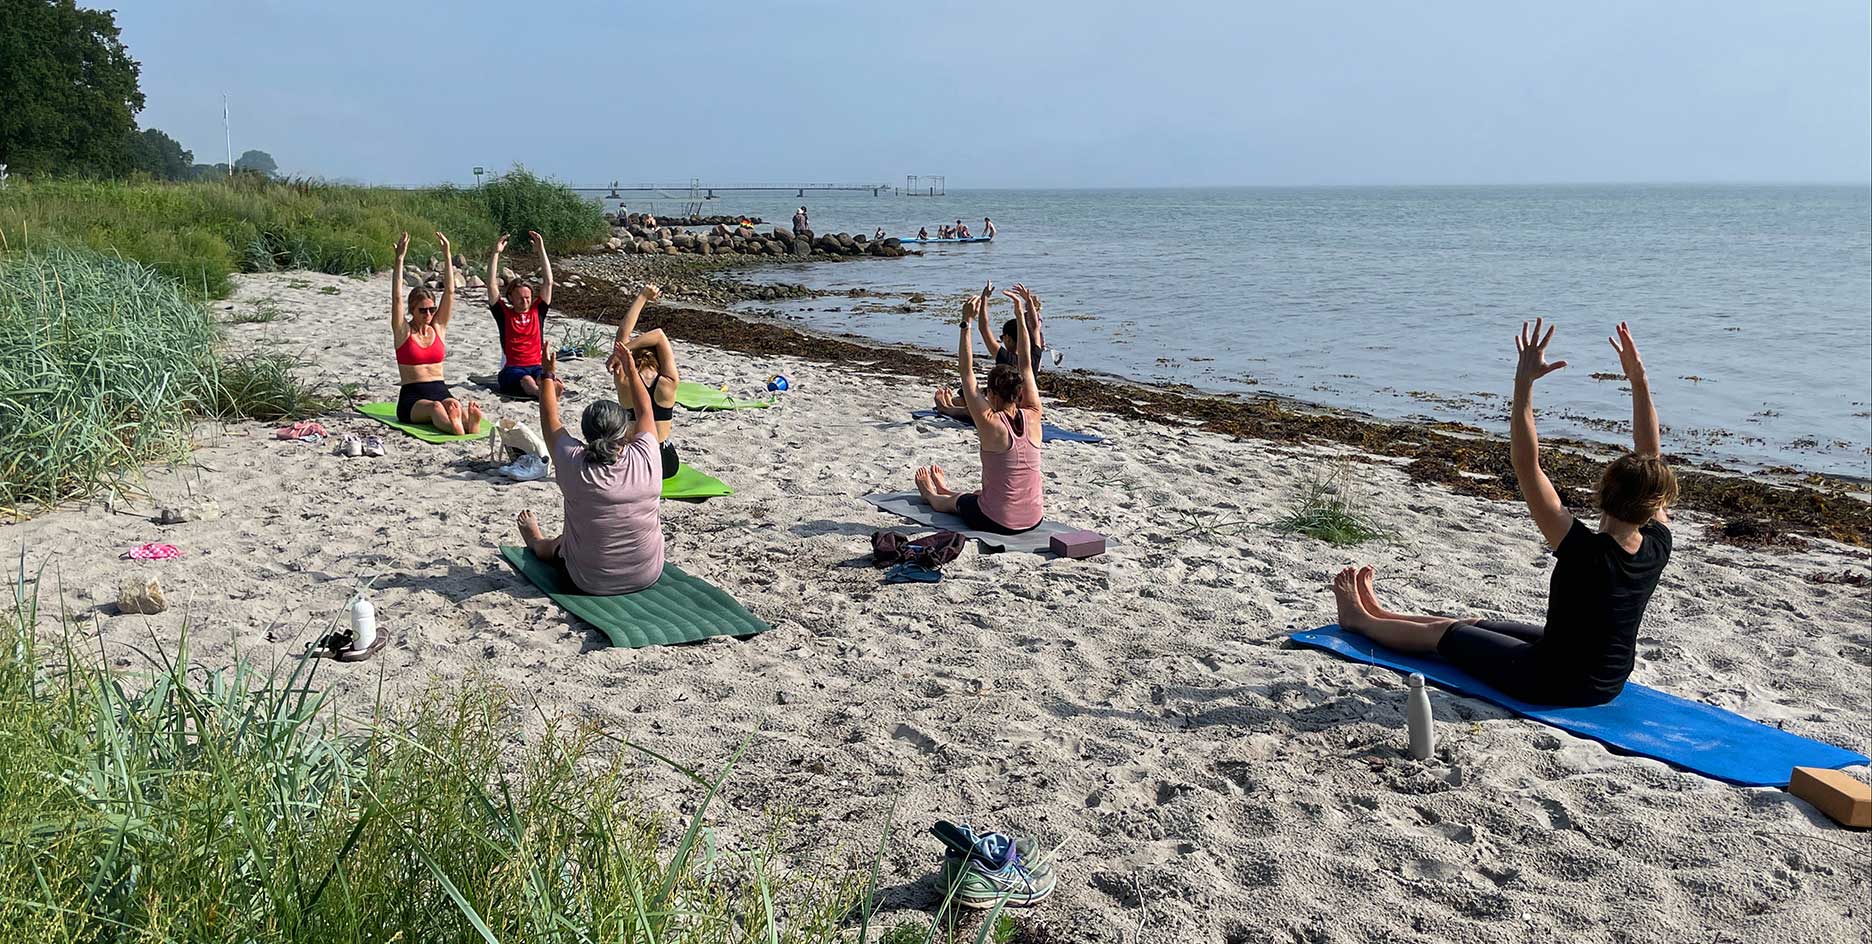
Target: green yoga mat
pixel 677 608
pixel 385 413
pixel 694 396
pixel 690 484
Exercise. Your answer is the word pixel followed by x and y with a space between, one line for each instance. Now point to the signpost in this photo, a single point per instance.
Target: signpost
pixel 478 172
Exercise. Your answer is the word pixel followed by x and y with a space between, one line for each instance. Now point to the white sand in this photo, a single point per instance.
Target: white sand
pixel 1137 708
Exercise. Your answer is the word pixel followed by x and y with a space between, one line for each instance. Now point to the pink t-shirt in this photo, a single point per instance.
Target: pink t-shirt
pixel 613 541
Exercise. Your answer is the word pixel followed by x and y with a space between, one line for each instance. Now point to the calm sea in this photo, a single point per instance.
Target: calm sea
pixel 1752 304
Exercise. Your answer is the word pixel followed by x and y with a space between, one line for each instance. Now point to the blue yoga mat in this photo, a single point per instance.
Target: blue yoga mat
pixel 1048 432
pixel 1643 721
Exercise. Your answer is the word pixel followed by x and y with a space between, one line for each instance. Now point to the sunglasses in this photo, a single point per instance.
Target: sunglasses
pixel 427 310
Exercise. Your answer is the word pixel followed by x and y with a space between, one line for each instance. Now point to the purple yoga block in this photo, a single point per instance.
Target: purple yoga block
pixel 1078 544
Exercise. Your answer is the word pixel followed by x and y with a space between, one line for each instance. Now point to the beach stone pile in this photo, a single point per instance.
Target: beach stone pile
pixel 638 219
pixel 746 241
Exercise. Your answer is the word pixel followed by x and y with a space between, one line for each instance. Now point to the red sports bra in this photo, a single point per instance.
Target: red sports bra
pixel 409 352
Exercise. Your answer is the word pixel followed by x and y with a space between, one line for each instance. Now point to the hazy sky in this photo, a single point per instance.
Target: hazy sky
pixel 1016 93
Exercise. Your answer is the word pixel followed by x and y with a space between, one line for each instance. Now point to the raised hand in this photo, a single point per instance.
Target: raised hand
pixel 402 245
pixel 620 360
pixel 1014 295
pixel 442 241
pixel 539 242
pixel 649 293
pixel 1532 346
pixel 987 290
pixel 971 306
pixel 1628 354
pixel 500 245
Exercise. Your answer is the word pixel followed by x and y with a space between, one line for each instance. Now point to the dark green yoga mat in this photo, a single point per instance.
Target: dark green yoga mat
pixel 677 608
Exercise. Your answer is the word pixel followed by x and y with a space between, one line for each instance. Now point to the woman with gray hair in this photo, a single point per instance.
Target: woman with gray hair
pixel 612 481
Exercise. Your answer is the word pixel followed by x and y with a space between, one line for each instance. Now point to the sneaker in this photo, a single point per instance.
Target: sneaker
pixel 983 870
pixel 373 446
pixel 527 468
pixel 970 884
pixel 348 445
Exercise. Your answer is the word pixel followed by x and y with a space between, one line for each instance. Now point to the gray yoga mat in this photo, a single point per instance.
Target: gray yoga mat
pixel 910 505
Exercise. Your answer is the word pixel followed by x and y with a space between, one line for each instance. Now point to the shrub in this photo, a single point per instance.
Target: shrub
pixel 518 201
pixel 1327 509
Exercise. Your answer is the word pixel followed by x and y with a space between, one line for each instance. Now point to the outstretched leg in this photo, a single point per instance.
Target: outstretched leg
pixel 1400 634
pixel 941 501
pixel 543 547
pixel 436 414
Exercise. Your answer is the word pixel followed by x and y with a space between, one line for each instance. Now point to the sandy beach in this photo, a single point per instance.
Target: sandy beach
pixel 1138 710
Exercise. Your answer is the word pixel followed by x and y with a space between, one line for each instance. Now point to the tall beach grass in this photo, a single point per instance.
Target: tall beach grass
pixel 201 232
pixel 105 365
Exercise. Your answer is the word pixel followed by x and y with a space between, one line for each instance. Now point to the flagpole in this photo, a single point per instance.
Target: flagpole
pixel 229 131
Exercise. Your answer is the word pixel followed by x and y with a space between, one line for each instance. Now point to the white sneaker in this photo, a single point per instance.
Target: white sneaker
pixel 373 446
pixel 527 468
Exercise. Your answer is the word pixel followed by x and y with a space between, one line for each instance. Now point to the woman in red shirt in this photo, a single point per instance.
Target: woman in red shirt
pixel 522 324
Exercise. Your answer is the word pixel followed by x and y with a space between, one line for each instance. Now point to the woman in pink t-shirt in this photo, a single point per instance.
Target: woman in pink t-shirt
pixel 612 481
pixel 1007 419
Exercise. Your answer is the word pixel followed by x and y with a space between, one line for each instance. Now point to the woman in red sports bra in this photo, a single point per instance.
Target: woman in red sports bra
pixel 421 345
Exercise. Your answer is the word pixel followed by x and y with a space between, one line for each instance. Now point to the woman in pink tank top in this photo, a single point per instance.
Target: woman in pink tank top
pixel 1007 419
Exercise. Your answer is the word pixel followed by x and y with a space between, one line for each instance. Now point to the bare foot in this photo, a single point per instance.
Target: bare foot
pixel 451 415
pixel 924 487
pixel 473 424
pixel 945 399
pixel 529 529
pixel 1368 596
pixel 939 481
pixel 1345 594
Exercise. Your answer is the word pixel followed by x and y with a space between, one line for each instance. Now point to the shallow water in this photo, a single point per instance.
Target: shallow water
pixel 1752 304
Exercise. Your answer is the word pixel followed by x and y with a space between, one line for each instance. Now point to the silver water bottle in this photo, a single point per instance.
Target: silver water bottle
pixel 1417 714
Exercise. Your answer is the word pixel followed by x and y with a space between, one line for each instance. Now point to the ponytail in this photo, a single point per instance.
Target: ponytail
pixel 604 426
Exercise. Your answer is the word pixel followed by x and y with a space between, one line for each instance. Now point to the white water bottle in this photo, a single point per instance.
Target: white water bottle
pixel 1417 716
pixel 363 623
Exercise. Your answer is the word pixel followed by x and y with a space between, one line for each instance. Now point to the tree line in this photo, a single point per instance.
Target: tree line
pixel 72 95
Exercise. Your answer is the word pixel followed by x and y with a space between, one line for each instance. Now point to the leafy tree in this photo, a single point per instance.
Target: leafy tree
pixel 70 89
pixel 159 155
pixel 208 171
pixel 259 162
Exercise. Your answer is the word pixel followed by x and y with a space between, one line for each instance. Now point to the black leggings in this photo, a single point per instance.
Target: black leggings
pixel 670 461
pixel 968 508
pixel 1508 656
pixel 434 390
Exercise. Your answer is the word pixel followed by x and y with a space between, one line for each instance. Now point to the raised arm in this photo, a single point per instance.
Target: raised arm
pixel 1524 444
pixel 1023 337
pixel 990 339
pixel 447 305
pixel 631 391
pixel 965 361
pixel 399 328
pixel 539 244
pixel 549 399
pixel 1644 426
pixel 665 354
pixel 493 276
pixel 645 295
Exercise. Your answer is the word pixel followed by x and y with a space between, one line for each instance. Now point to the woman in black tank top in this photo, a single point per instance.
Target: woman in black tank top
pixel 1602 578
pixel 655 360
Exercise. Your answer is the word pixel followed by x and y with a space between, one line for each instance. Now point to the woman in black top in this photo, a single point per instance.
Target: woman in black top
pixel 1602 578
pixel 949 402
pixel 655 360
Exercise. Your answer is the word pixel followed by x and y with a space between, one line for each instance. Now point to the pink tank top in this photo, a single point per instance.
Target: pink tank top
pixel 1010 492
